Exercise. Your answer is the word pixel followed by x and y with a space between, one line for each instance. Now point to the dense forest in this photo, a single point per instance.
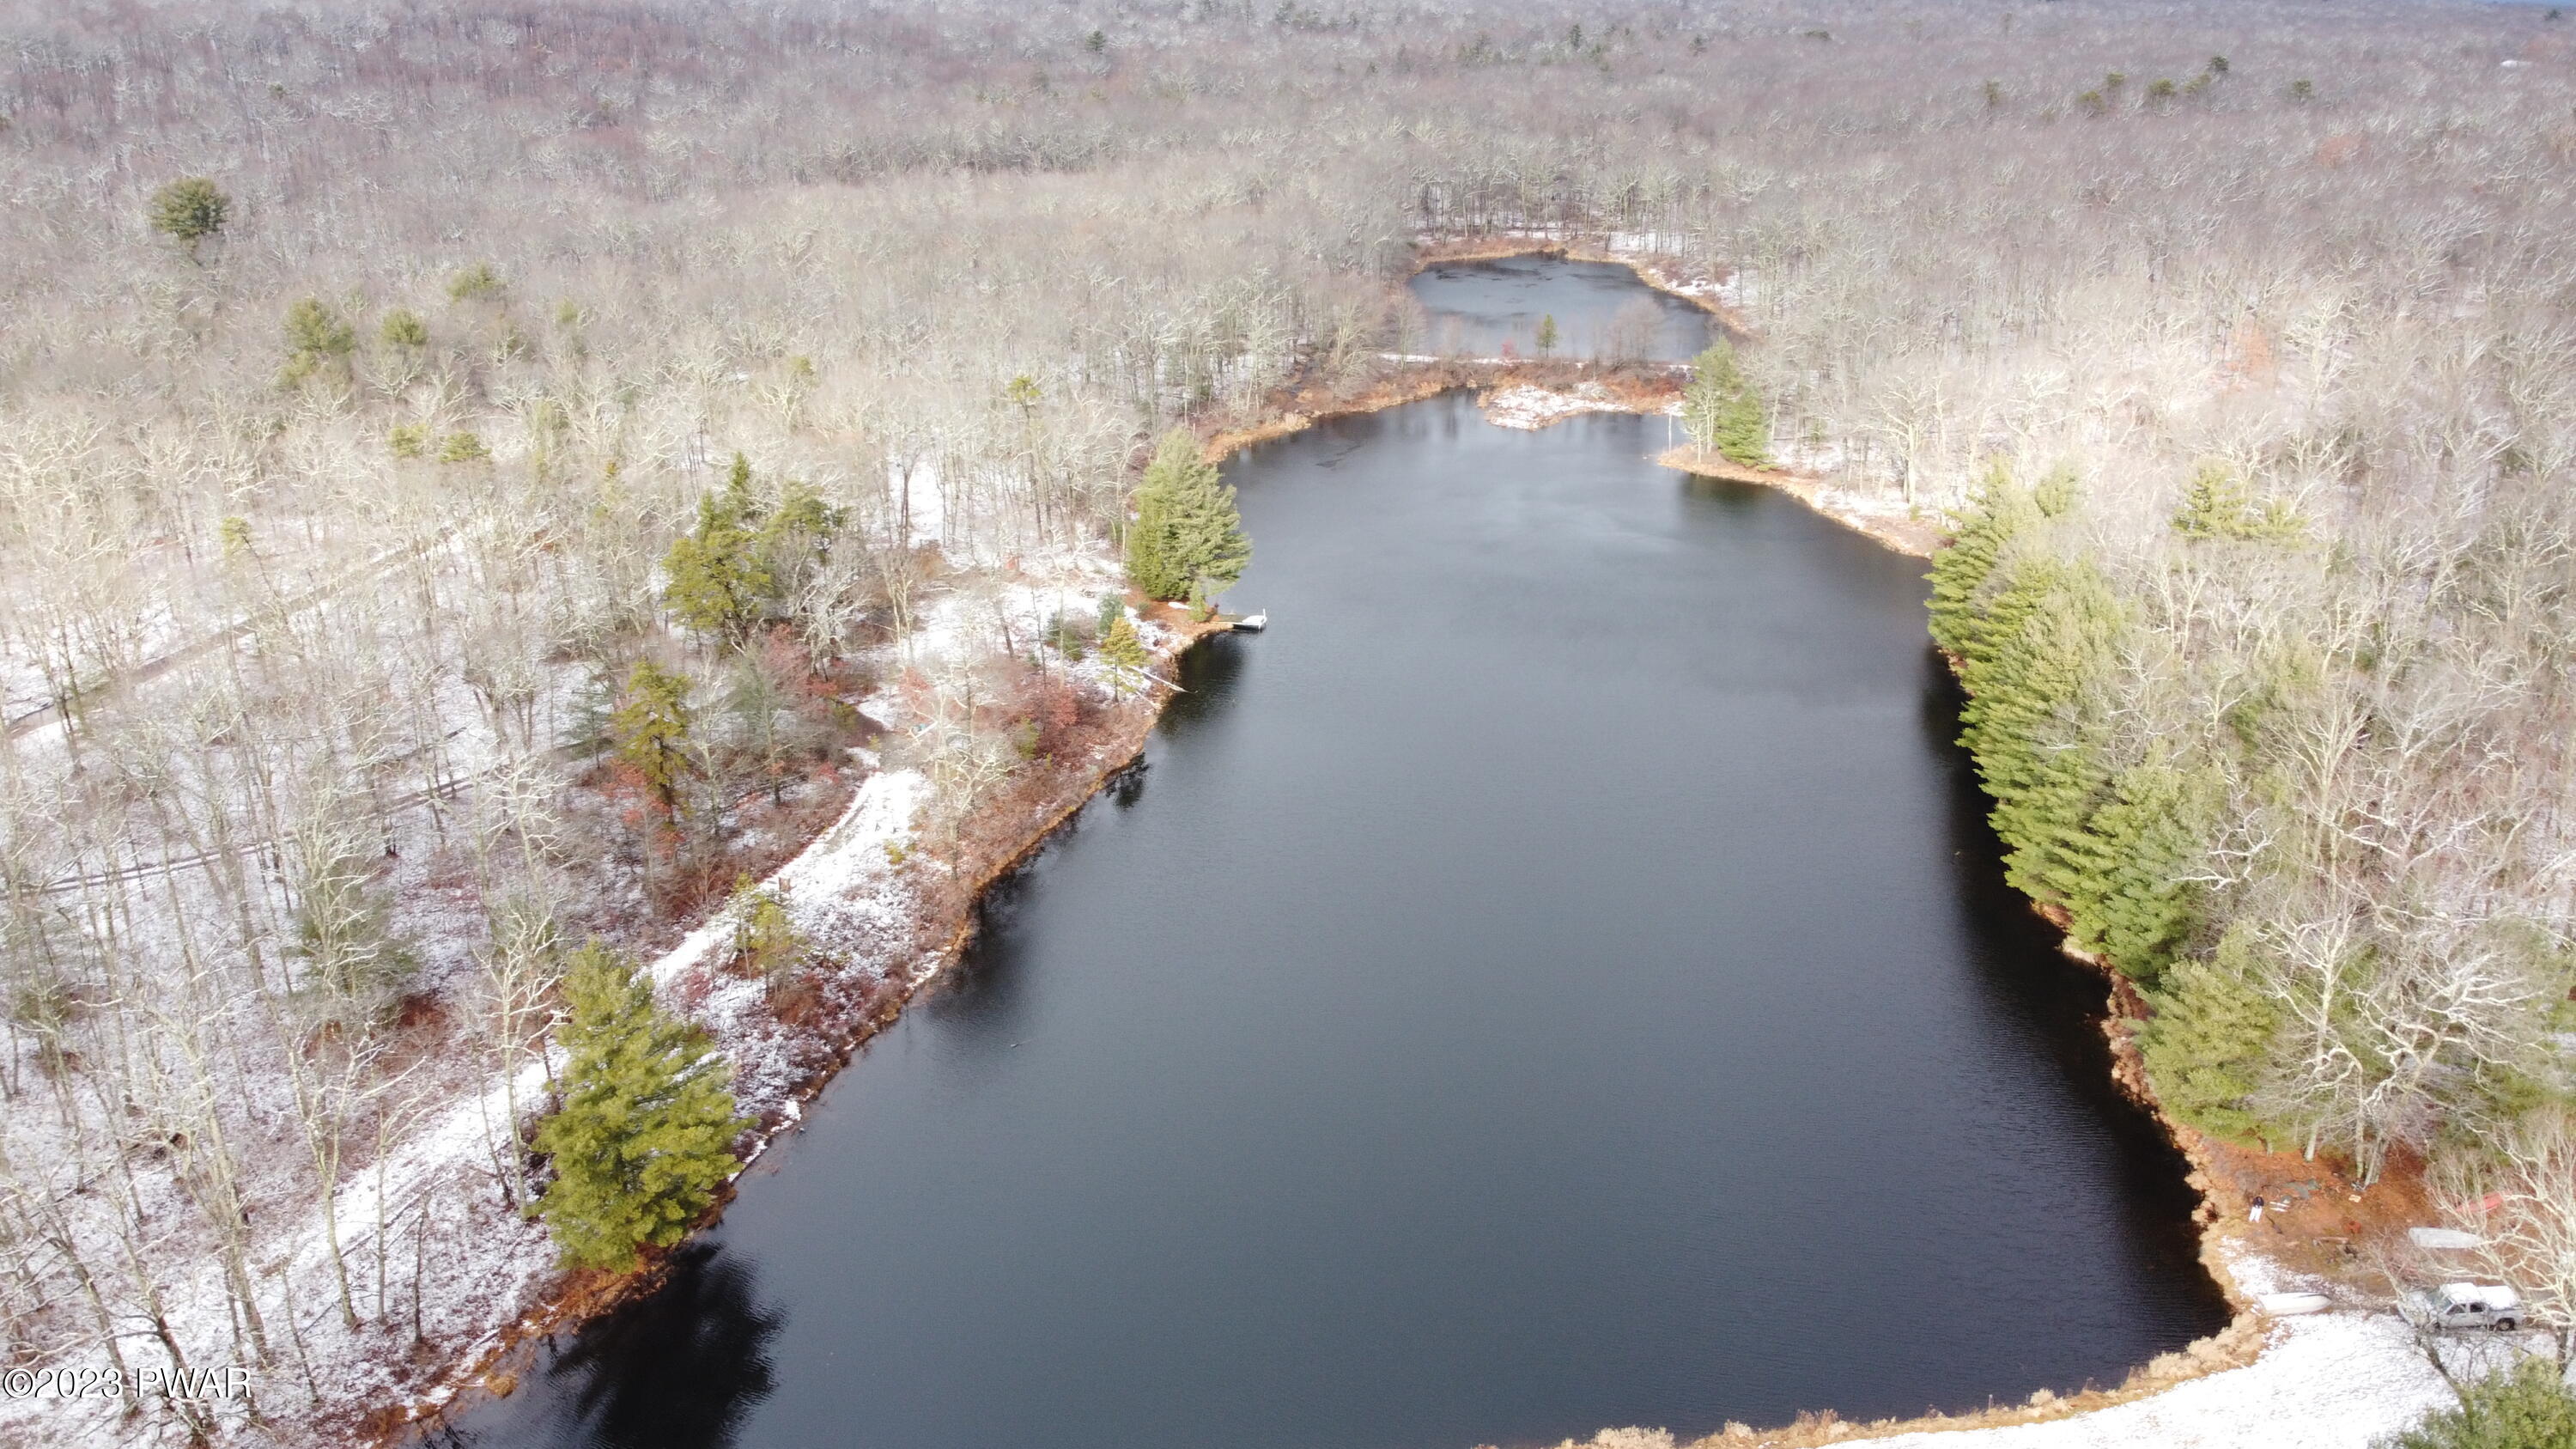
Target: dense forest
pixel 478 479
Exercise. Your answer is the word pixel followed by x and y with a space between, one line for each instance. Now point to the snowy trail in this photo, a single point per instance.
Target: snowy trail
pixel 436 1192
pixel 488 1275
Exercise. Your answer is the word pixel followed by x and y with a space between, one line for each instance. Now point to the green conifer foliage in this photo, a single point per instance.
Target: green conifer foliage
pixel 1743 433
pixel 469 283
pixel 1187 532
pixel 1961 570
pixel 1149 566
pixel 2057 492
pixel 590 731
pixel 766 942
pixel 191 209
pixel 1124 652
pixel 646 1133
pixel 717 577
pixel 1207 532
pixel 402 327
pixel 2219 504
pixel 2031 724
pixel 651 730
pixel 316 338
pixel 2206 1044
pixel 2131 893
pixel 794 538
pixel 1721 410
pixel 2526 1407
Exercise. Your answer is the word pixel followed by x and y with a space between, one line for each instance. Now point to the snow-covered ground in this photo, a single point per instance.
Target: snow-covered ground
pixel 2334 1380
pixel 434 1196
pixel 2325 1381
pixel 842 888
pixel 1532 408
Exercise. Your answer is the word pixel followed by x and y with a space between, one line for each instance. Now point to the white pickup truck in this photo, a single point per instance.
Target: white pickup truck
pixel 2466 1305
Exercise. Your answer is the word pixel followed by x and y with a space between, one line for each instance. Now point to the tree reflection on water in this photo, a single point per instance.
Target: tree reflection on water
pixel 680 1370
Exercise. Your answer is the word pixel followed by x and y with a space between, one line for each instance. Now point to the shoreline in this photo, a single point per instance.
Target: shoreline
pixel 488 1367
pixel 2240 1272
pixel 1706 296
pixel 2242 1341
pixel 485 1368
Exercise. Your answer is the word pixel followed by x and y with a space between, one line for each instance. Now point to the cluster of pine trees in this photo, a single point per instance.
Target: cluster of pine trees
pixel 2158 845
pixel 2120 848
pixel 747 555
pixel 1723 411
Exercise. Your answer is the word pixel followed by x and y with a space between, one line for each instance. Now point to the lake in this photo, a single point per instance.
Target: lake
pixel 1557 977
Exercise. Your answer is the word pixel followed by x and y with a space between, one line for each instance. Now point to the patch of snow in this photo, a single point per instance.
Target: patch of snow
pixel 436 1195
pixel 1532 408
pixel 2328 1380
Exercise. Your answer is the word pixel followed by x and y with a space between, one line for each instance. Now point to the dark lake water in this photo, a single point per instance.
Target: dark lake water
pixel 1557 977
pixel 1478 309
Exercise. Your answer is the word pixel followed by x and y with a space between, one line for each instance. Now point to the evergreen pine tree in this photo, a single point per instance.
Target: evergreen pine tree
pixel 2527 1406
pixel 766 942
pixel 316 338
pixel 402 327
pixel 190 209
pixel 1150 566
pixel 794 538
pixel 646 1133
pixel 2057 491
pixel 1124 652
pixel 1187 531
pixel 2206 1044
pixel 1207 529
pixel 590 730
pixel 718 574
pixel 2215 504
pixel 741 506
pixel 1743 433
pixel 651 730
pixel 2219 504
